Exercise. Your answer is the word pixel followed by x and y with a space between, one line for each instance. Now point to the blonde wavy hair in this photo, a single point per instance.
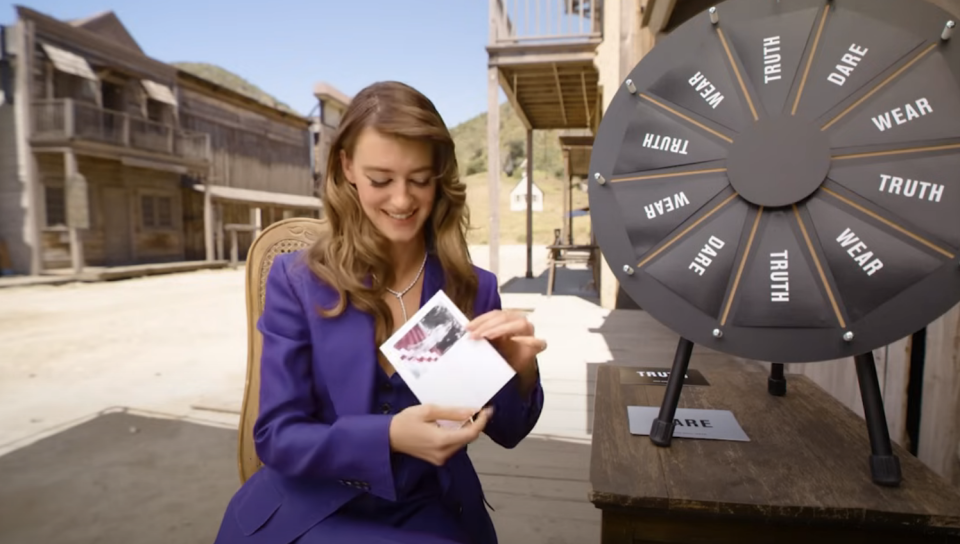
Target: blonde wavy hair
pixel 352 256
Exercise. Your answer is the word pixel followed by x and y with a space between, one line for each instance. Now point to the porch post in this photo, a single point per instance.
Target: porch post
pixel 23 98
pixel 256 219
pixel 493 142
pixel 208 221
pixel 570 209
pixel 565 217
pixel 529 203
pixel 75 195
pixel 218 230
pixel 493 166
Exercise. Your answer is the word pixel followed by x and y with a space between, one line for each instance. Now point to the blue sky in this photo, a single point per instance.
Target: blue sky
pixel 284 46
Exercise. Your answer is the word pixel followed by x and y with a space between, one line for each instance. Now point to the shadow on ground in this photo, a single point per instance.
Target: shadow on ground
pixel 569 282
pixel 123 478
pixel 99 482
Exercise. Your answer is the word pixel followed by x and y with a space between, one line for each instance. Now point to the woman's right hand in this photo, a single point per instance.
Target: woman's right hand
pixel 414 431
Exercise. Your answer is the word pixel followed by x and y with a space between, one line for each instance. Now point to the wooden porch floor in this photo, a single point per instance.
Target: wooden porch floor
pixel 538 490
pixel 104 273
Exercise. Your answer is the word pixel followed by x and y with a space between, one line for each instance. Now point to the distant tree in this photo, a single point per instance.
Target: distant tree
pixel 515 155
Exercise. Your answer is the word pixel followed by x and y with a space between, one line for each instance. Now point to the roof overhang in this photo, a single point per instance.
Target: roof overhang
pixel 329 93
pixel 577 146
pixel 236 194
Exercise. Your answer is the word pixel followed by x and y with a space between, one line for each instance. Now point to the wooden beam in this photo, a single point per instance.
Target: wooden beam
pixel 524 59
pixel 510 91
pixel 208 241
pixel 565 233
pixel 493 165
pixel 660 11
pixel 89 148
pixel 218 228
pixel 646 7
pixel 586 102
pixel 23 93
pixel 570 210
pixel 563 109
pixel 514 47
pixel 529 203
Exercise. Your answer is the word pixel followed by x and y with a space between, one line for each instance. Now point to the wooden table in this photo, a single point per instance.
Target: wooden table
pixel 803 477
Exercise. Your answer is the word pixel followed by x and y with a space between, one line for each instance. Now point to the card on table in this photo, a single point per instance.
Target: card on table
pixel 439 361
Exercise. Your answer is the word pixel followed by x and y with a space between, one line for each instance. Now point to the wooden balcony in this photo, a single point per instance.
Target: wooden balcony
pixel 66 122
pixel 544 53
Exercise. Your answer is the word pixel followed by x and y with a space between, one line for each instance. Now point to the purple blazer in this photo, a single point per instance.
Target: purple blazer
pixel 318 435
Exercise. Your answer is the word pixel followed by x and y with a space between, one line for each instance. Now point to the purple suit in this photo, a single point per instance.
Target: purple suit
pixel 324 444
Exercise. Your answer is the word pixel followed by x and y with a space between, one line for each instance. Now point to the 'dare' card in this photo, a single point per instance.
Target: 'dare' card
pixel 439 361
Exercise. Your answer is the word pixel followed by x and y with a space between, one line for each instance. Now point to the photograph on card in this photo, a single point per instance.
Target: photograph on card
pixel 429 339
pixel 439 361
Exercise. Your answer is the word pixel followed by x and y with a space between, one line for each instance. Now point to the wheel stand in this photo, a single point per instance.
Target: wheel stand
pixel 884 465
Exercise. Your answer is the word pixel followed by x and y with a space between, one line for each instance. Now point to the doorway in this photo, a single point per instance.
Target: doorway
pixel 116 226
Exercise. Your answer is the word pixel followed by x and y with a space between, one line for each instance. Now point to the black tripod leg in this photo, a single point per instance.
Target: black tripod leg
pixel 777 383
pixel 884 465
pixel 661 432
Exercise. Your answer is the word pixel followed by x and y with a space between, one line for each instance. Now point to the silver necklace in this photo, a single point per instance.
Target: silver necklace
pixel 399 295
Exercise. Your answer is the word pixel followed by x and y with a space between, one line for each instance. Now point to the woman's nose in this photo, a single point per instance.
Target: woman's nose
pixel 401 195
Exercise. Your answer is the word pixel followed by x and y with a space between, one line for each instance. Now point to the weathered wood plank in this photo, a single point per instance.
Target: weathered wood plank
pixel 939 445
pixel 620 466
pixel 522 520
pixel 535 457
pixel 807 459
pixel 538 490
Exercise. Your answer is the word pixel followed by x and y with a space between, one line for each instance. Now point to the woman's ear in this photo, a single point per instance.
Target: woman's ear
pixel 347 165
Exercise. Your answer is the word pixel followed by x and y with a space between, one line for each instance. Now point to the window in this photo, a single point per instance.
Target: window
pixel 157 111
pixel 56 206
pixel 156 211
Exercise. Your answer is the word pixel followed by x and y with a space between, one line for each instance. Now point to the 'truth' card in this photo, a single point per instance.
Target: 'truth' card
pixel 439 361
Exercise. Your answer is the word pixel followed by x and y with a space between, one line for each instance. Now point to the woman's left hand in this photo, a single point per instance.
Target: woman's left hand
pixel 513 335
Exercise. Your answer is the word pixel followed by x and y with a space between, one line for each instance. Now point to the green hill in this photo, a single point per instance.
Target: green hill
pixel 232 81
pixel 471 139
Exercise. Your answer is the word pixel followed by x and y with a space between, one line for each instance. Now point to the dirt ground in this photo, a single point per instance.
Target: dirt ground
pixel 163 344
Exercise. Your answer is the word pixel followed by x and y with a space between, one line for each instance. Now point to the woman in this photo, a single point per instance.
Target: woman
pixel 349 454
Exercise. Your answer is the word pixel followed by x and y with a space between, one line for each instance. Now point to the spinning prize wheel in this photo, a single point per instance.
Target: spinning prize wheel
pixel 780 180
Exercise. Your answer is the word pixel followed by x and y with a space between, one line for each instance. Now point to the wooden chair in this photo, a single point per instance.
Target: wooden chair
pixel 284 236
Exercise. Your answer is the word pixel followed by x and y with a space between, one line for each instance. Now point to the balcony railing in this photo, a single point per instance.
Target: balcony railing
pixel 67 119
pixel 545 21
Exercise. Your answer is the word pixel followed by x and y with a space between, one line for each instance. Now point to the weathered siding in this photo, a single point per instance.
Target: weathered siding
pixel 249 150
pixel 160 243
pixel 118 234
pixel 193 243
pixel 13 199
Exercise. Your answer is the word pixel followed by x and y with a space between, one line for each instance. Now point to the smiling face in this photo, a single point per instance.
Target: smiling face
pixel 394 181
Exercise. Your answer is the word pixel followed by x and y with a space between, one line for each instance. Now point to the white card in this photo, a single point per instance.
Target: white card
pixel 439 361
pixel 689 423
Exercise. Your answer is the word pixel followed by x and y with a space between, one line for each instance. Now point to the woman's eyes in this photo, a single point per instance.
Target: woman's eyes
pixel 383 183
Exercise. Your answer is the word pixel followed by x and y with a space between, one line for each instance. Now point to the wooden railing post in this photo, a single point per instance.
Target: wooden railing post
pixel 125 131
pixel 68 118
pixel 544 21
